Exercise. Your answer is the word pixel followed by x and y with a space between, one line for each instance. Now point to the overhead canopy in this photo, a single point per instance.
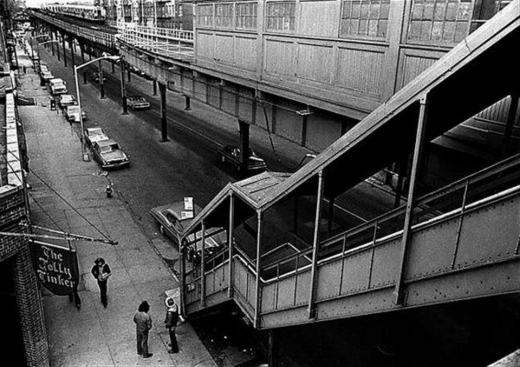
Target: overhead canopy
pixel 478 72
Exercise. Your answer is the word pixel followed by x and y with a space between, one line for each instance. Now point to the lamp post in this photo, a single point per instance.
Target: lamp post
pixel 44 43
pixel 32 47
pixel 76 68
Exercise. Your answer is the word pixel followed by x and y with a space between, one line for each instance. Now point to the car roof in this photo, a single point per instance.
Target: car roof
pixel 57 80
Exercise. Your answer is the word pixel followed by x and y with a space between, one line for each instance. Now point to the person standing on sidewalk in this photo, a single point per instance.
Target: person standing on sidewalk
pixel 101 271
pixel 143 324
pixel 172 317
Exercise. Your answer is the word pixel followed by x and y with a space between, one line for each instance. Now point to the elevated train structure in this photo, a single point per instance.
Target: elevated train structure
pixel 92 13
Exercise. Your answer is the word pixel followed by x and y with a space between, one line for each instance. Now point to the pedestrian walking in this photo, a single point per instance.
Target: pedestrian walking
pixel 24 69
pixel 143 324
pixel 74 297
pixel 101 271
pixel 172 317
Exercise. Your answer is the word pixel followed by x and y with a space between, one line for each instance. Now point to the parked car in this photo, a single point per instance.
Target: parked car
pixel 172 220
pixel 95 77
pixel 46 76
pixel 93 134
pixel 72 113
pixel 137 102
pixel 43 68
pixel 57 86
pixel 109 154
pixel 66 100
pixel 230 154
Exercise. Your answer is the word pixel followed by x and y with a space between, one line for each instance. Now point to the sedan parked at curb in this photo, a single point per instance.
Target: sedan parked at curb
pixel 46 76
pixel 72 113
pixel 138 103
pixel 109 154
pixel 230 154
pixel 66 100
pixel 172 220
pixel 93 134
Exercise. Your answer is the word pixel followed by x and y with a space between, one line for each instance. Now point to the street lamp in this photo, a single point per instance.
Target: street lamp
pixel 76 68
pixel 32 47
pixel 44 43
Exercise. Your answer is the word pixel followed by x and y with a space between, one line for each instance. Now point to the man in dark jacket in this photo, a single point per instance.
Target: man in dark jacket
pixel 143 323
pixel 101 271
pixel 172 317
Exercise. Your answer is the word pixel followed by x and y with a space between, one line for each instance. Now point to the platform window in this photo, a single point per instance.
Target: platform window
pixel 246 15
pixel 205 15
pixel 364 18
pixel 224 15
pixel 281 16
pixel 449 21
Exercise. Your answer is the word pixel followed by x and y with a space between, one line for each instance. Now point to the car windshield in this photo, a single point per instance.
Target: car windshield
pixel 97 131
pixel 109 148
pixel 73 109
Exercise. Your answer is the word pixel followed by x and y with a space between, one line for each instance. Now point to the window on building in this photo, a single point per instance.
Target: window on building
pixel 364 18
pixel 224 15
pixel 281 16
pixel 449 21
pixel 205 15
pixel 246 15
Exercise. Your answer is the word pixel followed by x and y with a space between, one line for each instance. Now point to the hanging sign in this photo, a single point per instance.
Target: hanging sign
pixel 56 267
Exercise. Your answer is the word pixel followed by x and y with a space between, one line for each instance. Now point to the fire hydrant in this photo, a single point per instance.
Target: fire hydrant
pixel 109 191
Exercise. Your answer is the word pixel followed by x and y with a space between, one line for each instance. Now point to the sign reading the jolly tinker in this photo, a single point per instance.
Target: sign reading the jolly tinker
pixel 56 267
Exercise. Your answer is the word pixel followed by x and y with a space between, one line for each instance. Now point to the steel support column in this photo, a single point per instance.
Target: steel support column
pixel 188 102
pixel 52 45
pixel 164 124
pixel 244 144
pixel 259 235
pixel 71 45
pixel 231 235
pixel 182 271
pixel 315 245
pixel 64 52
pixel 273 348
pixel 82 49
pixel 410 204
pixel 123 87
pixel 202 265
pixel 101 84
pixel 57 46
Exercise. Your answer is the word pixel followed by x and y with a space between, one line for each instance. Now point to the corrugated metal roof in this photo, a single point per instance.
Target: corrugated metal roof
pixel 259 187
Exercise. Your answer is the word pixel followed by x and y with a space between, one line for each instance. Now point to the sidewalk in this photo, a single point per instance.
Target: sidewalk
pixel 67 194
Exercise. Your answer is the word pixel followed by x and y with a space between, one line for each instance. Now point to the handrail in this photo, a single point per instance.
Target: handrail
pixel 476 177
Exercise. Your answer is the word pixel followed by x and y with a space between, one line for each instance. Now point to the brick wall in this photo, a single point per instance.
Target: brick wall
pixel 27 293
pixel 31 310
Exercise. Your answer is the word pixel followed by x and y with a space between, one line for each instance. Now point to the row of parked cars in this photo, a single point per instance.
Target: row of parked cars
pixel 106 151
